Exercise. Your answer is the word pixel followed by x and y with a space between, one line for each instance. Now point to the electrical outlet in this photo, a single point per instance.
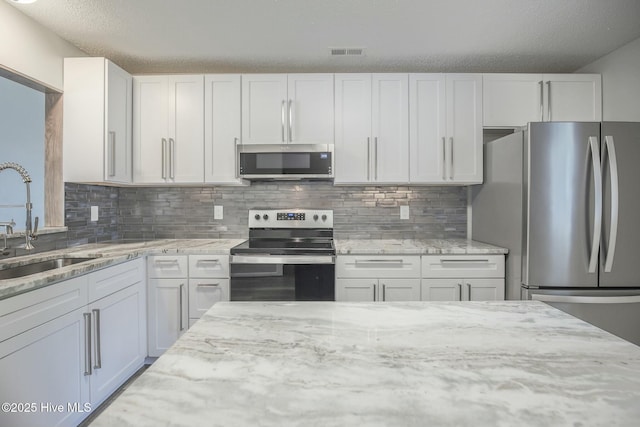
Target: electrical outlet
pixel 218 212
pixel 404 212
pixel 94 213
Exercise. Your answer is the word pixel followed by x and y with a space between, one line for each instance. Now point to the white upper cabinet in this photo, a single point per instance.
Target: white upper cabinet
pixel 512 100
pixel 372 128
pixel 293 108
pixel 445 128
pixel 221 127
pixel 96 121
pixel 168 129
pixel 573 97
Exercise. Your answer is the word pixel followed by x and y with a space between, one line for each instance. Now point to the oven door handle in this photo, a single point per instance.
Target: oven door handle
pixel 282 259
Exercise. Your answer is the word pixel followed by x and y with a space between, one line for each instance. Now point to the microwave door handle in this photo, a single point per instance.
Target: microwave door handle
pixel 597 214
pixel 615 194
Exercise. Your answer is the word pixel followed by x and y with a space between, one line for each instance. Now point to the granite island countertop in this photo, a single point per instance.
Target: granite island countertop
pixel 415 247
pixel 508 363
pixel 105 254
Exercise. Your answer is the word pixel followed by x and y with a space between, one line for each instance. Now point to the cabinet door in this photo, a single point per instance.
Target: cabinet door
pixel 203 293
pixel 310 108
pixel 353 128
pixel 355 290
pixel 221 127
pixel 464 128
pixel 483 290
pixel 441 289
pixel 168 313
pixel 427 133
pixel 46 364
pixel 511 100
pixel 399 290
pixel 150 129
pixel 119 339
pixel 118 149
pixel 186 128
pixel 264 108
pixel 390 128
pixel 573 97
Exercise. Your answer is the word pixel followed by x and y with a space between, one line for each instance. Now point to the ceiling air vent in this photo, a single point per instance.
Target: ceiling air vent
pixel 346 51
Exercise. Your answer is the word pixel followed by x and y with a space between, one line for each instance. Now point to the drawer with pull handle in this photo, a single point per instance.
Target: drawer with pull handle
pixel 167 266
pixel 203 293
pixel 395 266
pixel 462 266
pixel 208 266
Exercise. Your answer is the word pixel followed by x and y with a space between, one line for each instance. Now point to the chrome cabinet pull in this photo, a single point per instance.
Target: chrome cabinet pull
pixel 378 261
pixel 451 157
pixel 468 291
pixel 615 191
pixel 444 158
pixel 541 84
pixel 180 302
pixel 98 351
pixel 164 158
pixel 235 143
pixel 208 285
pixel 597 214
pixel 548 100
pixel 459 291
pixel 290 122
pixel 172 158
pixel 282 118
pixel 375 152
pixel 374 291
pixel 384 292
pixel 87 344
pixel 368 158
pixel 112 153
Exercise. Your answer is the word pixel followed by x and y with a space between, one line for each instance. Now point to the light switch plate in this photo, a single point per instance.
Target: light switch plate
pixel 404 212
pixel 94 213
pixel 218 212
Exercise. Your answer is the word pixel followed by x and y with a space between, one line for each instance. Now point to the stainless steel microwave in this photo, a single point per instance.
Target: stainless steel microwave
pixel 285 161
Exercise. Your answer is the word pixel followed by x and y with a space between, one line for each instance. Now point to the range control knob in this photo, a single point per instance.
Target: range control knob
pixel 324 217
pixel 265 217
pixel 257 216
pixel 315 217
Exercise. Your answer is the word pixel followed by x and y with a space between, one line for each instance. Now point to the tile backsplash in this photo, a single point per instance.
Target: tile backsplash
pixel 187 212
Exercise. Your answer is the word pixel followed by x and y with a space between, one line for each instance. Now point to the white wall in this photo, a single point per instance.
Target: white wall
pixel 32 50
pixel 21 141
pixel 620 82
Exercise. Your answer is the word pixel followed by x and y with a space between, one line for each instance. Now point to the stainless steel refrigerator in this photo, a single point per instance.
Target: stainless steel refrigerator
pixel 564 198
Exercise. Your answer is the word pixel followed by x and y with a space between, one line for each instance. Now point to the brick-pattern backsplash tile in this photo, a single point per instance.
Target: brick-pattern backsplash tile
pixel 187 212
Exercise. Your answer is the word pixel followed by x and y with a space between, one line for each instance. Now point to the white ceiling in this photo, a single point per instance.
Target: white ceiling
pixel 157 36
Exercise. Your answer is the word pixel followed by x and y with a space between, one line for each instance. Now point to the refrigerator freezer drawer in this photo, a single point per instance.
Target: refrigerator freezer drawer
pixel 614 312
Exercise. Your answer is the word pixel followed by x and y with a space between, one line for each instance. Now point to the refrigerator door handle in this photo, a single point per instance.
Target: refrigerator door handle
pixel 613 170
pixel 575 299
pixel 597 214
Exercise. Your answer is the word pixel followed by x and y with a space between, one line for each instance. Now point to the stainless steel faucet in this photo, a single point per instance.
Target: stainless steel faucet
pixel 30 230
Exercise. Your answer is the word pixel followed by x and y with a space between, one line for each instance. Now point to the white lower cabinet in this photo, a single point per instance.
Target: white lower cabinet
pixel 167 310
pixel 181 289
pixel 377 278
pixel 463 278
pixel 45 365
pixel 65 365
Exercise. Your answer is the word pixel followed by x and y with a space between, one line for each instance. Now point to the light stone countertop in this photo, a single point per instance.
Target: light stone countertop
pixel 507 363
pixel 415 247
pixel 106 254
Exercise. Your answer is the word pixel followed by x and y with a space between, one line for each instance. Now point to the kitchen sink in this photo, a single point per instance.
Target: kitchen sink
pixel 40 266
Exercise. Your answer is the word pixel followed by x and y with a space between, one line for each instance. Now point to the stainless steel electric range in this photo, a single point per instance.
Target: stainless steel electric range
pixel 289 256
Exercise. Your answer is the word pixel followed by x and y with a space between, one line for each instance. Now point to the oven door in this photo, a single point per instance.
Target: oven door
pixel 282 278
